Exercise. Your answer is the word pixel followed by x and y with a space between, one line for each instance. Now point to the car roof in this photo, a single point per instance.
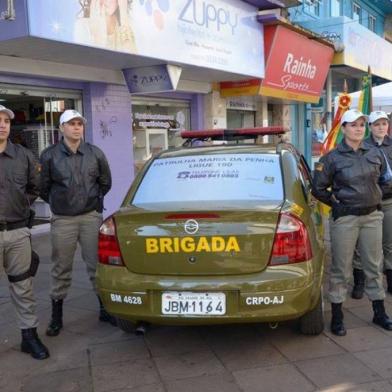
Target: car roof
pixel 228 149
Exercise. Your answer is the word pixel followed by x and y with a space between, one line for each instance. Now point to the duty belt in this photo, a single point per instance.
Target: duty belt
pixel 12 225
pixel 339 210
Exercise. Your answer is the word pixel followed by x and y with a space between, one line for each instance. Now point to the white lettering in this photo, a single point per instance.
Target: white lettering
pixel 299 67
pixel 275 300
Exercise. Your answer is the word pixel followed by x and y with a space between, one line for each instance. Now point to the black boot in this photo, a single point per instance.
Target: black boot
pixel 388 274
pixel 104 316
pixel 31 344
pixel 56 323
pixel 359 283
pixel 380 317
pixel 337 326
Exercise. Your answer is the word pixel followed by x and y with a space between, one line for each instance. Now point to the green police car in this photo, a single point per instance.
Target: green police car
pixel 213 234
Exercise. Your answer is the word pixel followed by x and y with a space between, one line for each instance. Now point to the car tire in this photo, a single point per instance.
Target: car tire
pixel 125 325
pixel 312 323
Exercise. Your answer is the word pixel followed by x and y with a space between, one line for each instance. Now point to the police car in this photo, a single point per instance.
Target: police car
pixel 215 234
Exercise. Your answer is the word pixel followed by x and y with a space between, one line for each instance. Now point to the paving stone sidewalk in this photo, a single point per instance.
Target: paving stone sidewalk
pixel 90 356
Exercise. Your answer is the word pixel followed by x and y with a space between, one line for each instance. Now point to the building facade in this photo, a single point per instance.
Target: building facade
pixel 139 71
pixel 361 31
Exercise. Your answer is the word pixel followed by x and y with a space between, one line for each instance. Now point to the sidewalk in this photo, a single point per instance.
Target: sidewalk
pixel 89 356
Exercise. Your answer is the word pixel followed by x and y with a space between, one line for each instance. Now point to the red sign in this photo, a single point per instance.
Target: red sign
pixel 296 67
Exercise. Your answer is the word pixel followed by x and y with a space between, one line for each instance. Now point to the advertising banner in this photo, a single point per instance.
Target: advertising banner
pixel 362 47
pixel 201 33
pixel 13 20
pixel 296 67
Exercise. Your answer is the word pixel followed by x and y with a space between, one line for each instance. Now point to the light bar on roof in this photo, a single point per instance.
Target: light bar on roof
pixel 232 133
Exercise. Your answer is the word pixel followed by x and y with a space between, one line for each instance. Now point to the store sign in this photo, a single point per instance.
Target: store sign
pixel 154 120
pixel 154 79
pixel 362 47
pixel 241 103
pixel 296 67
pixel 201 33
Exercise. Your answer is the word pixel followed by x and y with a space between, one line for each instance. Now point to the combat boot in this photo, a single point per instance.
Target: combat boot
pixel 31 344
pixel 359 283
pixel 337 326
pixel 56 323
pixel 388 274
pixel 104 316
pixel 380 317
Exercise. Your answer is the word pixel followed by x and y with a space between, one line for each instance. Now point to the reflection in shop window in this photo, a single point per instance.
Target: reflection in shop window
pixel 36 118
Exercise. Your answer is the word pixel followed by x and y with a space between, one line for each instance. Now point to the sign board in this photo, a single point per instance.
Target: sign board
pixel 201 33
pixel 13 19
pixel 296 67
pixel 153 79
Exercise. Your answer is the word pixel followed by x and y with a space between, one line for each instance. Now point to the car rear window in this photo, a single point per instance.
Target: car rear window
pixel 221 180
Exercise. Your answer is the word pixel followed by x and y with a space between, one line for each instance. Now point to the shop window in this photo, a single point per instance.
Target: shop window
pixel 357 13
pixel 156 127
pixel 37 114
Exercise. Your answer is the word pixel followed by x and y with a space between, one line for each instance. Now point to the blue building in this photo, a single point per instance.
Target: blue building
pixel 362 34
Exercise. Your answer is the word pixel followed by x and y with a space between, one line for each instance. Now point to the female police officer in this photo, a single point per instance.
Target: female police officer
pixel 347 179
pixel 379 123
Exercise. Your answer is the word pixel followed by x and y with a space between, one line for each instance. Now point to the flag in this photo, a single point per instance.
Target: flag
pixel 365 103
pixel 335 135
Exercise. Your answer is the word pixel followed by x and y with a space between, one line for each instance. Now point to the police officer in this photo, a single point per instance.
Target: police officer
pixel 347 179
pixel 19 181
pixel 75 177
pixel 379 122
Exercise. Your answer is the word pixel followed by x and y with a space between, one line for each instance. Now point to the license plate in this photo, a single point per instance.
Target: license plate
pixel 188 303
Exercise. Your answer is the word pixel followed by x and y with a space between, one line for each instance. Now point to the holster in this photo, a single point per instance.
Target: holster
pixel 30 272
pixel 30 219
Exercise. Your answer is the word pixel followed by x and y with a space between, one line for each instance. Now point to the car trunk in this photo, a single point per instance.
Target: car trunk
pixel 221 242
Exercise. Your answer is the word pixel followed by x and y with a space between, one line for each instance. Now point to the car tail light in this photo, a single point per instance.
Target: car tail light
pixel 108 249
pixel 291 242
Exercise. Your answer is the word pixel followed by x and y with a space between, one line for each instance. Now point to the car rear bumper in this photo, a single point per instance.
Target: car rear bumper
pixel 276 294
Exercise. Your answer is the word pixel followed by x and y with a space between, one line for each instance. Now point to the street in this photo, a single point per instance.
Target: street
pixel 90 356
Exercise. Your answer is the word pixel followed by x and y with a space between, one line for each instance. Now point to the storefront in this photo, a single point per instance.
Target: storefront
pixel 241 112
pixel 296 68
pixel 56 56
pixel 357 49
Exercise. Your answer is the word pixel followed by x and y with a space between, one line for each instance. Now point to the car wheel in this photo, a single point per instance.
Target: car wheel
pixel 312 323
pixel 125 325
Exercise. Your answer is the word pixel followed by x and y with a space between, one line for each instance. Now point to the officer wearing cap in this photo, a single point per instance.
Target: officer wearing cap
pixel 347 179
pixel 19 187
pixel 75 177
pixel 379 123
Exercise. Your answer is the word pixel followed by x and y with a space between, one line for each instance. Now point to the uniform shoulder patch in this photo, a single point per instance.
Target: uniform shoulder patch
pixel 319 166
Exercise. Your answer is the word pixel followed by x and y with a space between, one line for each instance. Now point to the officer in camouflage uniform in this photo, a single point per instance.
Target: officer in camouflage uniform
pixel 379 123
pixel 19 187
pixel 347 179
